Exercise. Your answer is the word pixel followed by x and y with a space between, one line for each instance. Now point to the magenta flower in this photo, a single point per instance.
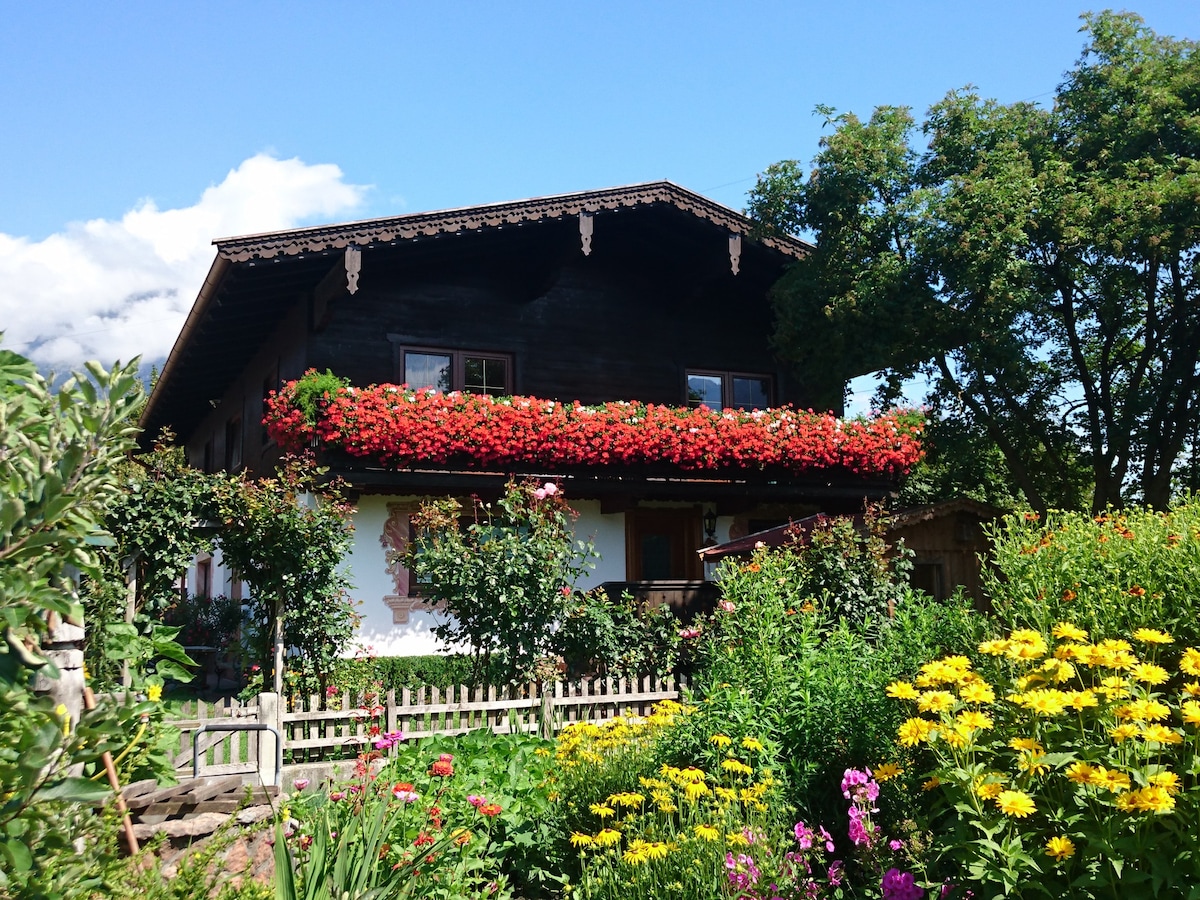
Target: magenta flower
pixel 301 783
pixel 899 885
pixel 687 633
pixel 742 872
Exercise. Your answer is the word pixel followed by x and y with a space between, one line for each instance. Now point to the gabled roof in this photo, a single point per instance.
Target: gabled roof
pixel 256 278
pixel 493 215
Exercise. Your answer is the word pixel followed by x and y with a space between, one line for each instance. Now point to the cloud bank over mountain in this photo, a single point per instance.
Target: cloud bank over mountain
pixel 111 290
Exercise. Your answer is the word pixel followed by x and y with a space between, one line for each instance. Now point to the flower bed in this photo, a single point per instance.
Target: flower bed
pixel 399 427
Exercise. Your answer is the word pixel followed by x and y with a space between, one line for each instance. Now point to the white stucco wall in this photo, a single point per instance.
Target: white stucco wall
pixel 371 581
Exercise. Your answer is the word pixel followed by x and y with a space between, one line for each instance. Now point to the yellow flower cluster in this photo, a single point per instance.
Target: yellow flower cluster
pixel 1067 692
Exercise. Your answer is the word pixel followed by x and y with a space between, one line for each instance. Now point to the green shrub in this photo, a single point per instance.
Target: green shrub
pixel 384 673
pixel 1108 574
pixel 619 637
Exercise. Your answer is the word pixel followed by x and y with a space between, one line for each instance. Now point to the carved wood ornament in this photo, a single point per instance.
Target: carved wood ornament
pixel 585 233
pixel 735 252
pixel 353 267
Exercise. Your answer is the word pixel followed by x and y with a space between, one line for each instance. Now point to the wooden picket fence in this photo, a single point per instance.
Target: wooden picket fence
pixel 318 729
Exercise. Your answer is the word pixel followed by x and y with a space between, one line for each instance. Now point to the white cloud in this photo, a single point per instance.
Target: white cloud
pixel 112 290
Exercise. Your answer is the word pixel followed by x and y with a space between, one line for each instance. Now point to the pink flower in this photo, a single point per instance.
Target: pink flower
pixel 727 605
pixel 475 800
pixel 301 783
pixel 337 795
pixel 540 493
pixel 566 591
pixel 899 885
pixel 687 633
pixel 404 792
pixel 550 488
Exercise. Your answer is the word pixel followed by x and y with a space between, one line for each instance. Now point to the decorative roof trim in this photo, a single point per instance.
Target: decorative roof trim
pixel 324 238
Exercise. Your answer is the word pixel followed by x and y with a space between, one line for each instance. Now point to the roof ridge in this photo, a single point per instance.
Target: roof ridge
pixel 318 238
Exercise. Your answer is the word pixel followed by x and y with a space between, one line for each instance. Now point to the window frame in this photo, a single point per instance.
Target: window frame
pixel 458 365
pixel 727 377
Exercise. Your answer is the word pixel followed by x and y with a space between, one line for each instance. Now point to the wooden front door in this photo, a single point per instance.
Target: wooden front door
pixel 661 544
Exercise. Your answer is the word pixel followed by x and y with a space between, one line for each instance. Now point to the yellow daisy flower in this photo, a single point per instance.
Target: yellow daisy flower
pixel 752 744
pixel 977 692
pixel 1124 732
pixel 972 719
pixel 1152 636
pixel 902 690
pixel 1190 711
pixel 1068 631
pixel 914 731
pixel 1017 804
pixel 935 701
pixel 1029 744
pixel 706 832
pixel 1190 663
pixel 721 740
pixel 1060 847
pixel 1149 673
pixel 607 837
pixel 1080 772
pixel 1161 734
pixel 887 771
pixel 581 840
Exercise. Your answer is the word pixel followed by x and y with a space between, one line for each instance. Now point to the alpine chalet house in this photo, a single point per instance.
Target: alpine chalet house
pixel 630 328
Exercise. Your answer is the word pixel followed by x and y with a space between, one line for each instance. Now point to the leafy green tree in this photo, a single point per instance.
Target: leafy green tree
pixel 287 537
pixel 504 573
pixel 58 449
pixel 159 520
pixel 1038 266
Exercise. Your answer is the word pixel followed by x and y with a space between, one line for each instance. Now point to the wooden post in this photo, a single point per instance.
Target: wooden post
pixel 64 648
pixel 546 717
pixel 270 712
pixel 277 663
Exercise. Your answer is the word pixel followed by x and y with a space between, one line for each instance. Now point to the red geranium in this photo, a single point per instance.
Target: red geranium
pixel 399 428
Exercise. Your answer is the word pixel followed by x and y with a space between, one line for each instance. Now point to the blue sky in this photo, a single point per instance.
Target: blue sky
pixel 134 133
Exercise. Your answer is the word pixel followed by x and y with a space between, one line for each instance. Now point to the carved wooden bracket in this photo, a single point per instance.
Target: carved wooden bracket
pixel 735 252
pixel 353 267
pixel 585 233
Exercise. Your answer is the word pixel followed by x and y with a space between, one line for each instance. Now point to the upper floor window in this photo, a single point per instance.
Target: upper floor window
pixel 738 390
pixel 233 444
pixel 457 370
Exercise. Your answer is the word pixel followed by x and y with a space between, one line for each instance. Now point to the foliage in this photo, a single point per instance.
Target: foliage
pixel 505 575
pixel 287 537
pixel 206 621
pixel 394 673
pixel 960 461
pixel 429 835
pixel 619 637
pixel 159 520
pixel 697 831
pixel 60 449
pixel 1037 265
pixel 800 648
pixel 512 771
pixel 1065 768
pixel 1108 574
pixel 397 426
pixel 312 393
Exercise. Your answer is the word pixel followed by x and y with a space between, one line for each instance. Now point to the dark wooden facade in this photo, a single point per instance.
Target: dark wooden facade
pixel 665 283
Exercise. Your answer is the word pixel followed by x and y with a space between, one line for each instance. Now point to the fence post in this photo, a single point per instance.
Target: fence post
pixel 270 712
pixel 546 718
